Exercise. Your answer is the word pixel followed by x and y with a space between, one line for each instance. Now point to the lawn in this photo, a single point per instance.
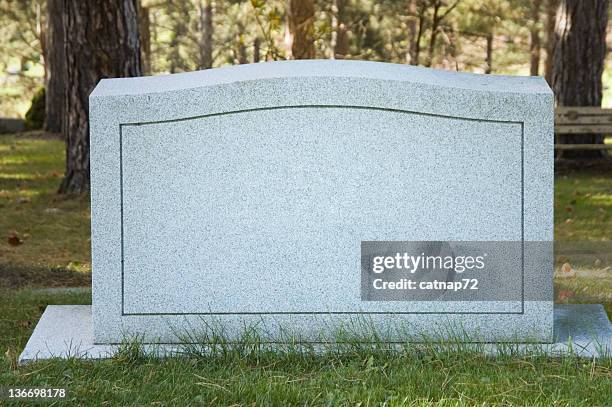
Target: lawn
pixel 45 247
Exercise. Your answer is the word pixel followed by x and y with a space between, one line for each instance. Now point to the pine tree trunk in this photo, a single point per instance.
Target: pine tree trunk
pixel 339 39
pixel 435 23
pixel 579 52
pixel 101 38
pixel 551 16
pixel 489 57
pixel 205 25
pixel 534 32
pixel 54 66
pixel 422 14
pixel 299 33
pixel 411 55
pixel 256 50
pixel 144 31
pixel 240 53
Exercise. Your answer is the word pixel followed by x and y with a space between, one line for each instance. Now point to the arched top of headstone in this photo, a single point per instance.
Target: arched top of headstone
pixel 338 69
pixel 360 84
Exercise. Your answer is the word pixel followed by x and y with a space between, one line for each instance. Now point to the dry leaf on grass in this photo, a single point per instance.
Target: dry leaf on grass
pixel 14 240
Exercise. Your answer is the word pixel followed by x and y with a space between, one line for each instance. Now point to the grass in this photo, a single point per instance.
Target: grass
pixel 54 230
pixel 583 206
pixel 364 377
pixel 53 233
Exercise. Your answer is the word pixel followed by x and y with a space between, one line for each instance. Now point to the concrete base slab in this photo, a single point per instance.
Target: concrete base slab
pixel 65 331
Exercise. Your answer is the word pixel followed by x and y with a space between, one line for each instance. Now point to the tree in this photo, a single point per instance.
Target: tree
pixel 534 33
pixel 54 66
pixel 22 50
pixel 411 55
pixel 205 31
pixel 144 31
pixel 101 38
pixel 579 52
pixel 489 57
pixel 551 16
pixel 339 35
pixel 482 20
pixel 240 50
pixel 299 34
pixel 436 24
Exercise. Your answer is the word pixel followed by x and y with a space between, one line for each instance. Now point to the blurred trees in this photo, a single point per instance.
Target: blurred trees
pixel 503 36
pixel 486 36
pixel 22 42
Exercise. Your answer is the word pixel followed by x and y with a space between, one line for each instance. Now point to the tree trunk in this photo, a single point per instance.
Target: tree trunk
pixel 579 52
pixel 435 22
pixel 54 66
pixel 144 31
pixel 205 25
pixel 256 50
pixel 240 51
pixel 339 40
pixel 101 41
pixel 535 38
pixel 299 33
pixel 411 55
pixel 422 12
pixel 489 60
pixel 551 16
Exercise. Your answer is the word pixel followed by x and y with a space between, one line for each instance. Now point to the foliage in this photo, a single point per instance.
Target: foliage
pixel 35 116
pixel 377 30
pixel 21 53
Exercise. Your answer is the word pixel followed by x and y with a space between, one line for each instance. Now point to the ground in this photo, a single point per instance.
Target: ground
pixel 44 248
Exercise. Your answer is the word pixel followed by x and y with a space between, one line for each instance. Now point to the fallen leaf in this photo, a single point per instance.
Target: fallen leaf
pixel 566 271
pixel 14 240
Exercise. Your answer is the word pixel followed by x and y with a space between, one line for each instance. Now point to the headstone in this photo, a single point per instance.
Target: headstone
pixel 308 198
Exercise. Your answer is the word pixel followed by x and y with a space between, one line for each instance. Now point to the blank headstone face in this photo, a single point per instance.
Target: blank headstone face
pixel 242 195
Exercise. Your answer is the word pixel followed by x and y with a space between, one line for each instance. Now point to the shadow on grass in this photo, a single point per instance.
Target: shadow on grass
pixel 17 276
pixel 569 167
